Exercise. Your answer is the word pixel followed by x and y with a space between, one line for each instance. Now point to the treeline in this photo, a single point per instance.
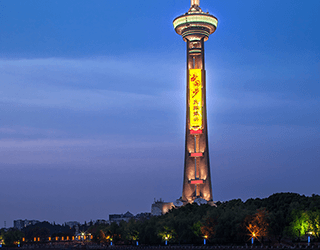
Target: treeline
pixel 282 216
pixel 40 231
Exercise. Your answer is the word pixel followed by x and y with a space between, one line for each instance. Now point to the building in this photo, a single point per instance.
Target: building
pixel 159 207
pixel 20 224
pixel 119 217
pixel 71 224
pixel 102 221
pixel 195 27
pixel 143 216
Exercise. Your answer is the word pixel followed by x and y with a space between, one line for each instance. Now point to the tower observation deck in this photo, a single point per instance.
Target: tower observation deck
pixel 195 27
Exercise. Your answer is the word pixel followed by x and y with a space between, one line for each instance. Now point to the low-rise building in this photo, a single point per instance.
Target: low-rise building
pixel 143 216
pixel 20 224
pixel 159 207
pixel 71 224
pixel 119 217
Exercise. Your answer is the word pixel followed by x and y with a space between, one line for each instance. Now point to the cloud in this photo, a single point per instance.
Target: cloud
pixel 113 84
pixel 116 149
pixel 146 88
pixel 28 131
pixel 86 85
pixel 254 100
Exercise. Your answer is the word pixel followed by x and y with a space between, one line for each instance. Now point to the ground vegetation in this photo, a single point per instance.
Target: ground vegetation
pixel 280 218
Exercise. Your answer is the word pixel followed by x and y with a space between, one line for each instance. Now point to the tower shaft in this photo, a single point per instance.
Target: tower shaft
pixel 197 178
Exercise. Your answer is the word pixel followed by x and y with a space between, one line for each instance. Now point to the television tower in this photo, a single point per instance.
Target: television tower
pixel 195 27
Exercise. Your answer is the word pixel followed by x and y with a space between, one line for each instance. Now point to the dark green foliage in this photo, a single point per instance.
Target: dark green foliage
pixel 278 223
pixel 12 237
pixel 314 221
pixel 42 232
pixel 304 222
pixel 228 218
pixel 223 224
pixel 45 229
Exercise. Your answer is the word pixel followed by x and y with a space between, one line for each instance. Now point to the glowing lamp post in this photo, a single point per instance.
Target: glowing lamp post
pixel 205 239
pixel 252 238
pixel 309 233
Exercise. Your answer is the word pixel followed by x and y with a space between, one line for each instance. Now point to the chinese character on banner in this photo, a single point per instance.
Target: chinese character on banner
pixel 197 83
pixel 195 92
pixel 194 77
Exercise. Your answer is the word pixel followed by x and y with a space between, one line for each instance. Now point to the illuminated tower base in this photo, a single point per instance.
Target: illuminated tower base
pixel 195 27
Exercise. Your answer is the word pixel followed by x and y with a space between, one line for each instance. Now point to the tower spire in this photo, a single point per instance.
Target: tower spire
pixel 195 2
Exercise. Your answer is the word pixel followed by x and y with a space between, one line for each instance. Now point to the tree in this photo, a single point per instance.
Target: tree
pixel 314 223
pixel 32 232
pixel 132 235
pixel 1 239
pixel 299 225
pixel 257 225
pixel 278 223
pixel 131 230
pixel 101 237
pixel 208 228
pixel 167 234
pixel 115 231
pixel 229 217
pixel 196 228
pixel 12 237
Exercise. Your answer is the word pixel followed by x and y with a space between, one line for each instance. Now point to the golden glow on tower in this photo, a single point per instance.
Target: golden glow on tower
pixel 195 2
pixel 195 27
pixel 190 19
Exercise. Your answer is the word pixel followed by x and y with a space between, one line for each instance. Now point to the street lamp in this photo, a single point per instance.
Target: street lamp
pixel 252 239
pixel 309 233
pixel 205 239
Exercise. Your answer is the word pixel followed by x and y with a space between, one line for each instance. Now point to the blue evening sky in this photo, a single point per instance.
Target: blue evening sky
pixel 92 104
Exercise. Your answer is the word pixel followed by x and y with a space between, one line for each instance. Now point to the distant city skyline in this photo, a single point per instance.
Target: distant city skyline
pixel 92 102
pixel 22 223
